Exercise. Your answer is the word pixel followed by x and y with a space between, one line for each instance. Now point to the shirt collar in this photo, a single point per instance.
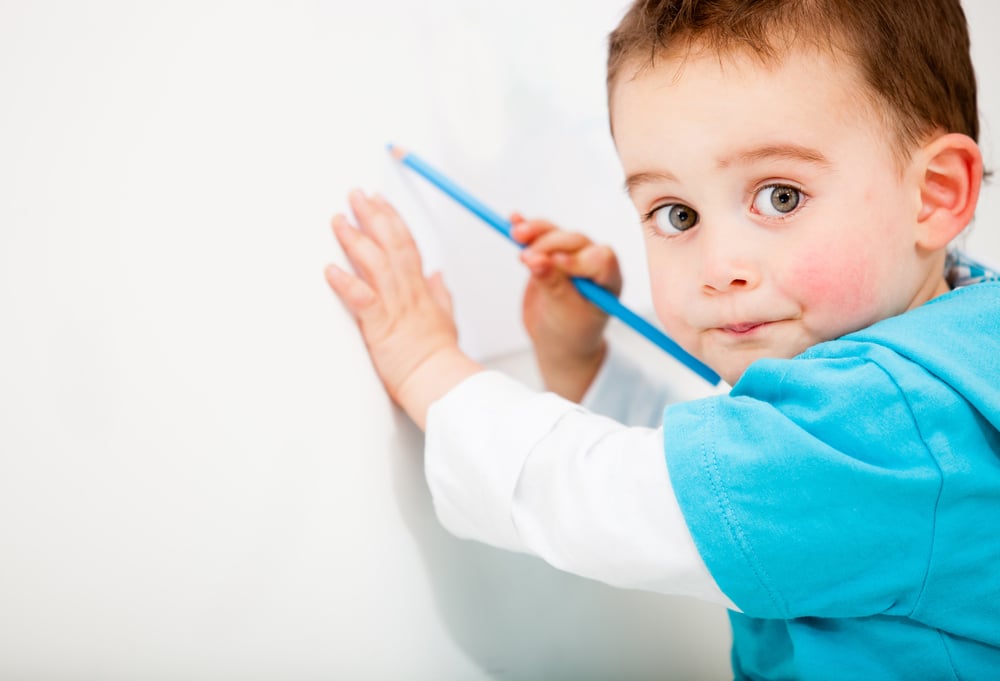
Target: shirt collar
pixel 961 270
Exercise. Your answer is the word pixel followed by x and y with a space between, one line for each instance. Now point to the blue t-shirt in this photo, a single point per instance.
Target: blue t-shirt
pixel 848 500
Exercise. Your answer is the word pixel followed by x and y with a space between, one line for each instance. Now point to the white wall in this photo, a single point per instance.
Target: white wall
pixel 200 476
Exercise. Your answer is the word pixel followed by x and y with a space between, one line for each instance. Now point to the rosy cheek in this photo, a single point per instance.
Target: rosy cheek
pixel 836 280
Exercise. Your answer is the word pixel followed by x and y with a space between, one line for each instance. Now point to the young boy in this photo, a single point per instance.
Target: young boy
pixel 800 168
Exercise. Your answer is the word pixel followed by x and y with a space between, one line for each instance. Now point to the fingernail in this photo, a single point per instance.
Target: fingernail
pixel 343 230
pixel 335 273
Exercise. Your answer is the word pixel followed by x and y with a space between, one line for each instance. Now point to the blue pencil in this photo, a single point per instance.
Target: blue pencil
pixel 590 290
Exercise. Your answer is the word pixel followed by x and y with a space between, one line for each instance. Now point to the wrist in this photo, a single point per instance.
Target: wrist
pixel 434 376
pixel 570 375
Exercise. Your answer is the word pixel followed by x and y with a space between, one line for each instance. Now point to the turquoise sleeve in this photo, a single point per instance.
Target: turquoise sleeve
pixel 808 490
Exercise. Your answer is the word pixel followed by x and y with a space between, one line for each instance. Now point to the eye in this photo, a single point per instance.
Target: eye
pixel 674 217
pixel 777 200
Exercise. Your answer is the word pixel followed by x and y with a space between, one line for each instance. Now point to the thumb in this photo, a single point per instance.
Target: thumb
pixel 439 292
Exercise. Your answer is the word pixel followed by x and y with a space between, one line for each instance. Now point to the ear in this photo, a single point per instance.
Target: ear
pixel 951 172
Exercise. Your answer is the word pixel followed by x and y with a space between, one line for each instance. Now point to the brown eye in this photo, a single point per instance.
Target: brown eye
pixel 777 200
pixel 675 217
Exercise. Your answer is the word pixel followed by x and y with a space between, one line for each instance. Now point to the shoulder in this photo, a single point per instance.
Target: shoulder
pixel 832 406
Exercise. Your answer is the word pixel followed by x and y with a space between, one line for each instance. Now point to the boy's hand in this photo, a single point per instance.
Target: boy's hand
pixel 405 318
pixel 566 329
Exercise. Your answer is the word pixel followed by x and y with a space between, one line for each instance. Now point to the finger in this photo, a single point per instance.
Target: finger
pixel 526 231
pixel 597 262
pixel 367 258
pixel 546 274
pixel 359 298
pixel 398 237
pixel 559 240
pixel 539 264
pixel 389 225
pixel 440 293
pixel 380 221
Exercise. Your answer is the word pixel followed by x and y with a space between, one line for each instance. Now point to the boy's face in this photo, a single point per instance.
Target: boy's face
pixel 775 214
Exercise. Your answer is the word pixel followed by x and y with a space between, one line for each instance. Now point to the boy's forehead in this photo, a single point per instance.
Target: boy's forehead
pixel 802 95
pixel 782 47
pixel 702 69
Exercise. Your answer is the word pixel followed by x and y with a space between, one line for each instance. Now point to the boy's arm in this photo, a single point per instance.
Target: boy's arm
pixel 405 319
pixel 535 473
pixel 508 466
pixel 567 331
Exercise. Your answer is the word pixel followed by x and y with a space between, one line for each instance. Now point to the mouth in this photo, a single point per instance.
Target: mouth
pixel 744 328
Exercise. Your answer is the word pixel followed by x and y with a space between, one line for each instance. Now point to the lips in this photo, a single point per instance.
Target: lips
pixel 745 327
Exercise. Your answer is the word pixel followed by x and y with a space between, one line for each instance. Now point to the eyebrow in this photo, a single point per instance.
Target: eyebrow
pixel 790 152
pixel 638 179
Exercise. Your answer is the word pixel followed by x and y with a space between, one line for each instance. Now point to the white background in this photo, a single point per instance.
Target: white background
pixel 200 476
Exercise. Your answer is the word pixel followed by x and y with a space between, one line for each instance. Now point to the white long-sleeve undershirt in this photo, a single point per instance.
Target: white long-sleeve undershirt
pixel 534 473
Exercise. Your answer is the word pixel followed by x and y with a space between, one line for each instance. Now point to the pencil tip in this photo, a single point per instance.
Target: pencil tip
pixel 398 153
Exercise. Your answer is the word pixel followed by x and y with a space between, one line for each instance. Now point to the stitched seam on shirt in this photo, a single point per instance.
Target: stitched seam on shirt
pixel 947 654
pixel 940 490
pixel 739 537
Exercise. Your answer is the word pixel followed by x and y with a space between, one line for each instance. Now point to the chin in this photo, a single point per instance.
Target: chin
pixel 732 376
pixel 728 371
pixel 731 372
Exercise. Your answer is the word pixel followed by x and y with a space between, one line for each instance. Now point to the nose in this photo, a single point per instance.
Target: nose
pixel 728 261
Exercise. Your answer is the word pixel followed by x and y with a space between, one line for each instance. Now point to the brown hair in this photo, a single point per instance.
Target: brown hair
pixel 912 54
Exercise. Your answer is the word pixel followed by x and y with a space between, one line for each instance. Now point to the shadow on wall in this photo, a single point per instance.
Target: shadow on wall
pixel 518 618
